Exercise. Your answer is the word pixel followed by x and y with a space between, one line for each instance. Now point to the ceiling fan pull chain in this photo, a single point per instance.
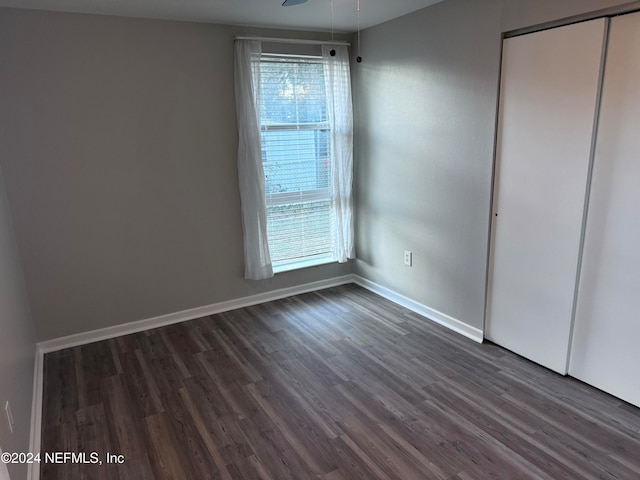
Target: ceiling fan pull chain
pixel 333 50
pixel 359 58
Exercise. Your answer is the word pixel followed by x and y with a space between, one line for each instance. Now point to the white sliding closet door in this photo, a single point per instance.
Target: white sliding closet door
pixel 606 342
pixel 548 100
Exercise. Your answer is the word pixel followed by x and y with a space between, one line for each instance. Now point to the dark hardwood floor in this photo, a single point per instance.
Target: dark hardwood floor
pixel 337 384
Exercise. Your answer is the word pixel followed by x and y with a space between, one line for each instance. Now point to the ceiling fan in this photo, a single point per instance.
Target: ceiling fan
pixel 291 3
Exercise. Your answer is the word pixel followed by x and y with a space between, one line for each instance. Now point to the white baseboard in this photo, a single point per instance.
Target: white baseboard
pixel 443 319
pixel 198 312
pixel 177 317
pixel 33 470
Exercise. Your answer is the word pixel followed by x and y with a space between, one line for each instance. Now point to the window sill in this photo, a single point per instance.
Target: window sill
pixel 308 262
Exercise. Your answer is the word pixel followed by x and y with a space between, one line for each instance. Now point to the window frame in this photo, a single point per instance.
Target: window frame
pixel 304 196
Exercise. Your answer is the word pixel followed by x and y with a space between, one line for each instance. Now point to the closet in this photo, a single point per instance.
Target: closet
pixel 564 279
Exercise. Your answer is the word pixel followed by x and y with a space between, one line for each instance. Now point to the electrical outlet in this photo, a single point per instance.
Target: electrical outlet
pixel 7 409
pixel 408 258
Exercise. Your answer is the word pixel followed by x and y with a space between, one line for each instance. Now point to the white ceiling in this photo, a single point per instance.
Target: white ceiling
pixel 313 15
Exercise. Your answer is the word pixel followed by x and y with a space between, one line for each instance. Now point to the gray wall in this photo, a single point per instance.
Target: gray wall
pixel 119 144
pixel 17 344
pixel 426 104
pixel 426 95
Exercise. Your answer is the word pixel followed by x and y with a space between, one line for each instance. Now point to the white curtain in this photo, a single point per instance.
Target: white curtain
pixel 338 88
pixel 257 261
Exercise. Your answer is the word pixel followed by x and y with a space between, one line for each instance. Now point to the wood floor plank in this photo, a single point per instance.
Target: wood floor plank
pixel 514 439
pixel 205 435
pixel 93 437
pixel 168 461
pixel 337 384
pixel 60 388
pixel 272 449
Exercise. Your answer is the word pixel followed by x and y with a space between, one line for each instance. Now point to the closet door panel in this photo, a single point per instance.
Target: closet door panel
pixel 606 342
pixel 548 99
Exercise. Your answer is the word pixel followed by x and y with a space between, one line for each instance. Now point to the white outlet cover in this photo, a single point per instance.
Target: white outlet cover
pixel 7 409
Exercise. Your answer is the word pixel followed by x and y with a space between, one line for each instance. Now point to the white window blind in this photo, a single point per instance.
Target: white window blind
pixel 295 136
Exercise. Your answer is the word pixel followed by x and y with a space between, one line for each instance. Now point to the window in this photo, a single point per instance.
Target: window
pixel 295 140
pixel 295 157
